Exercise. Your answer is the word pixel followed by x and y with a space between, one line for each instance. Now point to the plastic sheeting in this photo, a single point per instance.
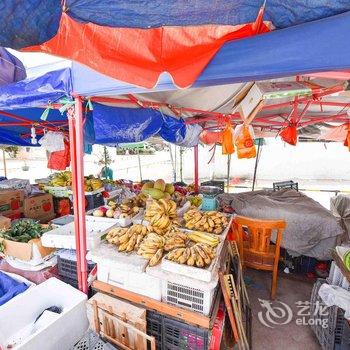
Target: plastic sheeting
pixel 8 137
pixel 311 229
pixel 122 125
pixel 312 47
pixel 114 125
pixel 28 22
pixel 9 288
pixel 340 207
pixel 139 56
pixel 156 13
pixel 11 68
pixel 35 92
pixel 32 22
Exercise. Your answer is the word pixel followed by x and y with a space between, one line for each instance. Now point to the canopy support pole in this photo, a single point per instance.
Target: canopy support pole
pixel 77 154
pixel 139 162
pixel 256 164
pixel 4 161
pixel 181 170
pixel 228 172
pixel 196 179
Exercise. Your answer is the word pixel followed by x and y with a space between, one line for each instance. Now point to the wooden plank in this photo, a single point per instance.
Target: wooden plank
pixel 170 310
pixel 338 260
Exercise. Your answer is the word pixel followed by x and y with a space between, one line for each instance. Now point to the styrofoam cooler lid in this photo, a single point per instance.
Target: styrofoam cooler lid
pixel 156 271
pixel 108 254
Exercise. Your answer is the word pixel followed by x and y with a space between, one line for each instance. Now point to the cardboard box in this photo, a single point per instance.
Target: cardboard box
pixel 31 251
pixel 11 202
pixel 253 99
pixel 5 223
pixel 39 207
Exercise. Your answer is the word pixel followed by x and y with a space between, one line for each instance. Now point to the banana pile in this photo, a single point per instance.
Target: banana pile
pixel 205 238
pixel 199 255
pixel 92 184
pixel 161 214
pixel 127 239
pixel 151 248
pixel 175 239
pixel 207 221
pixel 61 179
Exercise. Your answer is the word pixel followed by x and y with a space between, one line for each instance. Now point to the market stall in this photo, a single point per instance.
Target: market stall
pixel 152 252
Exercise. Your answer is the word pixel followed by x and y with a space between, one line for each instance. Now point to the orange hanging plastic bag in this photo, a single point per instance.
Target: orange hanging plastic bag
pixel 210 137
pixel 347 139
pixel 244 141
pixel 290 134
pixel 59 160
pixel 227 140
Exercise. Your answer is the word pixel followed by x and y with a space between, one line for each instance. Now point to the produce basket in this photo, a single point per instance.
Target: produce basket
pixel 64 237
pixel 59 192
pixel 91 341
pixel 67 263
pixel 171 334
pixel 329 337
pixel 185 292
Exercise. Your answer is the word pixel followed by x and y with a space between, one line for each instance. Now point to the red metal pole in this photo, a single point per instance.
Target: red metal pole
pixel 80 191
pixel 196 179
pixel 71 124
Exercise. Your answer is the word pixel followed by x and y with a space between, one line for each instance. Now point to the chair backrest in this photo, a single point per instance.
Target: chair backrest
pixel 259 233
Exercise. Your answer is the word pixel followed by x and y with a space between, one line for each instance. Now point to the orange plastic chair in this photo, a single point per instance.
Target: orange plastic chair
pixel 255 248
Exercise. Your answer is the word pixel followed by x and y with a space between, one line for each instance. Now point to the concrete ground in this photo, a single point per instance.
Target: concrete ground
pixel 284 333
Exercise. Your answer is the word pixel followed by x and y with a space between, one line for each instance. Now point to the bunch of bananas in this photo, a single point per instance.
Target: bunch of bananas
pixel 199 255
pixel 92 184
pixel 175 239
pixel 127 239
pixel 61 179
pixel 161 214
pixel 205 238
pixel 151 248
pixel 208 221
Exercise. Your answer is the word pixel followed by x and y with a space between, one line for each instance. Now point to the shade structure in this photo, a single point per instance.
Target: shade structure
pixel 42 24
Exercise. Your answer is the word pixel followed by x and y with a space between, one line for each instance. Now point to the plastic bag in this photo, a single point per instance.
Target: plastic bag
pixel 191 138
pixel 211 137
pixel 227 140
pixel 290 134
pixel 244 141
pixel 60 160
pixel 347 139
pixel 52 141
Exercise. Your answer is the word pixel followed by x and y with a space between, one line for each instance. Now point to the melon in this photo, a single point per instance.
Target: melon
pixel 153 192
pixel 147 185
pixel 159 185
pixel 169 188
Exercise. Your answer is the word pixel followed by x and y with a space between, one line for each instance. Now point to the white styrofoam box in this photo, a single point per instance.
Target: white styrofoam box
pixel 49 261
pixel 120 222
pixel 51 333
pixel 63 236
pixel 126 271
pixel 185 292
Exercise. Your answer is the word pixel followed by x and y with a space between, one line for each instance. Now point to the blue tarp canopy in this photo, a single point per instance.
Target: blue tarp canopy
pixel 316 46
pixel 19 30
pixel 311 47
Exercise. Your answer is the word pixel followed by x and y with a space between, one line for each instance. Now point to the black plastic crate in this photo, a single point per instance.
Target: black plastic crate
pixel 285 184
pixel 171 334
pixel 179 335
pixel 345 340
pixel 216 183
pixel 67 263
pixel 94 201
pixel 154 327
